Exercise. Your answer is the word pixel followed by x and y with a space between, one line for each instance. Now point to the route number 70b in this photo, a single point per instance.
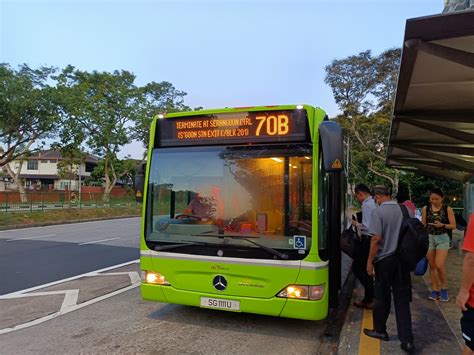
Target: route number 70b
pixel 273 125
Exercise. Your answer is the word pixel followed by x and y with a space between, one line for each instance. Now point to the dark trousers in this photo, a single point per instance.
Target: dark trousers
pixel 359 268
pixel 393 277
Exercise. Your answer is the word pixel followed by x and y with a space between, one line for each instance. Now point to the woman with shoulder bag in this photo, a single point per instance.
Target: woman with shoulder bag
pixel 438 218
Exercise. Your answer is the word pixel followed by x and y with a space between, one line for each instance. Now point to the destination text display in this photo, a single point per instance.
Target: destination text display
pixel 233 128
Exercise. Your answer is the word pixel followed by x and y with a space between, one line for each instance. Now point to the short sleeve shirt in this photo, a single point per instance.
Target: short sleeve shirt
pixel 386 222
pixel 468 246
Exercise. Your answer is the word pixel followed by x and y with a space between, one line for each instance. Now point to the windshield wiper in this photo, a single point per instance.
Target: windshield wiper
pixel 246 238
pixel 222 235
pixel 172 246
pixel 268 249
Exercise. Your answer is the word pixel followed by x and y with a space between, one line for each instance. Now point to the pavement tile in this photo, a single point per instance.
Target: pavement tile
pixel 436 325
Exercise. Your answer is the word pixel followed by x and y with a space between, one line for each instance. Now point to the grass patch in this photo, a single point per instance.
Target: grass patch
pixel 65 215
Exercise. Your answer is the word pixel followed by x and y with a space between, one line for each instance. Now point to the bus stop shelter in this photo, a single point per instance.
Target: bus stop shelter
pixel 433 120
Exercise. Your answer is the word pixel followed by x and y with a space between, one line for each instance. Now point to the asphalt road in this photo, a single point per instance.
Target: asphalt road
pixel 127 324
pixel 36 256
pixel 124 323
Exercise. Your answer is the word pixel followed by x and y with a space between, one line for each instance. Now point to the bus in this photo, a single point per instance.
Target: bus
pixel 242 210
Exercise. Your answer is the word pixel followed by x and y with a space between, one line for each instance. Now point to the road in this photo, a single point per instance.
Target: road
pixel 36 256
pixel 104 312
pixel 127 324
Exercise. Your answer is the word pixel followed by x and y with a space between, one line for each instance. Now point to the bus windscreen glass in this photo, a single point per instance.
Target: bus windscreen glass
pixel 226 200
pixel 233 128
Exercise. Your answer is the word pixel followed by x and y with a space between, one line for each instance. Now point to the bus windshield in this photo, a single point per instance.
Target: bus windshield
pixel 231 201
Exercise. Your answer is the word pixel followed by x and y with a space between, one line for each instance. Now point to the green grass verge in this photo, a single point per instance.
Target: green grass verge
pixel 67 215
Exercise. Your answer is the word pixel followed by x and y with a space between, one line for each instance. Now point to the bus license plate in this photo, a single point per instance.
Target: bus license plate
pixel 220 303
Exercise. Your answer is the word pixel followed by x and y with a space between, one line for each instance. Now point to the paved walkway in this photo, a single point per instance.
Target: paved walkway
pixel 435 324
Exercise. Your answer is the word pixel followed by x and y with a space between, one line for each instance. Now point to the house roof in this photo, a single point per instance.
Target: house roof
pixel 55 154
pixel 433 120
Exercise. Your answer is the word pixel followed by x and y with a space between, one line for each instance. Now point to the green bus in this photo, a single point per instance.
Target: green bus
pixel 242 210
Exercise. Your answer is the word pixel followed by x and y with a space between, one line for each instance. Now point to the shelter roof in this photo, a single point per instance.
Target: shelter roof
pixel 433 120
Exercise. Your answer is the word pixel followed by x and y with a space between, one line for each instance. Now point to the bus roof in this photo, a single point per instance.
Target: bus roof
pixel 238 109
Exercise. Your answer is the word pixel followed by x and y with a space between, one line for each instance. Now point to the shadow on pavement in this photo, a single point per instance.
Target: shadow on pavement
pixel 241 322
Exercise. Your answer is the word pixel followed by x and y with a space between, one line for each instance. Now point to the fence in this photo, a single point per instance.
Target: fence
pixel 40 201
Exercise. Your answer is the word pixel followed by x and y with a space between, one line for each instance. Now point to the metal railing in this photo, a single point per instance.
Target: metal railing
pixel 13 201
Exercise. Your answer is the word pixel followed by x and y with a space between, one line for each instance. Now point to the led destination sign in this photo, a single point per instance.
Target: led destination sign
pixel 234 128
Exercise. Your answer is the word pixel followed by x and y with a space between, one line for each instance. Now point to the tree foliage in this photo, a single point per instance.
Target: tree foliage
pixel 106 111
pixel 125 170
pixel 28 111
pixel 364 87
pixel 99 108
pixel 155 98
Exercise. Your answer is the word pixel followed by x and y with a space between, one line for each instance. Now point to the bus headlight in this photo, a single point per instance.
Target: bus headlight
pixel 151 277
pixel 302 292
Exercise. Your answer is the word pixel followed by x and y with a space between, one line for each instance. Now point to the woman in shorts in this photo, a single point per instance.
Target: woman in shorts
pixel 438 218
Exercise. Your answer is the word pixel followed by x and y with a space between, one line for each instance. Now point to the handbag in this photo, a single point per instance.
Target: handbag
pixel 421 267
pixel 349 241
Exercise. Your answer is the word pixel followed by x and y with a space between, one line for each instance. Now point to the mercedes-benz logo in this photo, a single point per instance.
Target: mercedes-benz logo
pixel 219 282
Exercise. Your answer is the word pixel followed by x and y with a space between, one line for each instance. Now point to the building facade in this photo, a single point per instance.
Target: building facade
pixel 40 172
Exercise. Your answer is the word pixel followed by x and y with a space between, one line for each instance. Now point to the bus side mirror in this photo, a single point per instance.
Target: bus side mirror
pixel 140 182
pixel 331 143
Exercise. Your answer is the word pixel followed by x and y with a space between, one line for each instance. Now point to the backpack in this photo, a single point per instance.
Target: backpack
pixel 413 240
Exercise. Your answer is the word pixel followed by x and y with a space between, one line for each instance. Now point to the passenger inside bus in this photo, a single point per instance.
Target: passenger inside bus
pixel 199 207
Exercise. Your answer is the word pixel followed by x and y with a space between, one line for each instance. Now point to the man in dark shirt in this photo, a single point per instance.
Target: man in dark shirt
pixel 391 276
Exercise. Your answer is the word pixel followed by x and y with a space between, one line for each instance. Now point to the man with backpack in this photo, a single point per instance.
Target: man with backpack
pixel 391 275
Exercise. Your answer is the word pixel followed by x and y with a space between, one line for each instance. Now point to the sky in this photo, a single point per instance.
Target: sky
pixel 221 53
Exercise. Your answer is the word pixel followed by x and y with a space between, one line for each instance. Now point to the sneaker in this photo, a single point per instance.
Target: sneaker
pixel 434 295
pixel 444 295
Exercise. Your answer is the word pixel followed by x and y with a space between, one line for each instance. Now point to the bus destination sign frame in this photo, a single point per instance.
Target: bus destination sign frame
pixel 273 126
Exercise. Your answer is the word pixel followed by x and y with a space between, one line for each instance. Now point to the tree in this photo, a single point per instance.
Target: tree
pixel 125 170
pixel 364 88
pixel 107 110
pixel 419 186
pixel 156 98
pixel 28 113
pixel 69 166
pixel 99 108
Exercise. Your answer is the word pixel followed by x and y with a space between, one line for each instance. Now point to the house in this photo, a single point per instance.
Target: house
pixel 40 171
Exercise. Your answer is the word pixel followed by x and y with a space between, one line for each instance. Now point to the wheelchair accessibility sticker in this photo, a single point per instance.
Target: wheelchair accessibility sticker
pixel 299 242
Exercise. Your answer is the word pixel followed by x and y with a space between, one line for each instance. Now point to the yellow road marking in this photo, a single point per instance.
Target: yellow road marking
pixel 368 345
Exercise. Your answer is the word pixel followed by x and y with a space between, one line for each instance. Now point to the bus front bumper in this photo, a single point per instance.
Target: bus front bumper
pixel 275 306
